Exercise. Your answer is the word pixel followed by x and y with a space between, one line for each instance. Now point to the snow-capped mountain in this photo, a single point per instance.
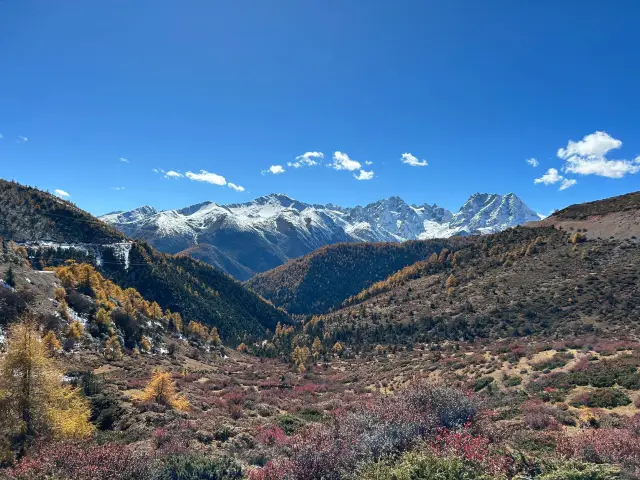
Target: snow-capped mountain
pixel 247 238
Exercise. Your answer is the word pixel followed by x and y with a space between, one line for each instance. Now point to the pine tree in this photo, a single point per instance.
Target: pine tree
pixel 33 402
pixel 9 278
pixel 162 389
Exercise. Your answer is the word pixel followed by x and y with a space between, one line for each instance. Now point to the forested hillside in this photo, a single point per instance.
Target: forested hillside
pixel 516 283
pixel 326 277
pixel 28 214
pixel 178 283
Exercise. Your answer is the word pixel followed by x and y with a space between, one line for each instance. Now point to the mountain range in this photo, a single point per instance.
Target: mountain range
pixel 248 238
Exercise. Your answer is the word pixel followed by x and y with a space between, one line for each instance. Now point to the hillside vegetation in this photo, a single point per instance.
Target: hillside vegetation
pixel 178 283
pixel 581 211
pixel 28 214
pixel 323 279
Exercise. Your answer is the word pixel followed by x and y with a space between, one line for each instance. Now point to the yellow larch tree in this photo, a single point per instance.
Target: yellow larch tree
pixel 33 400
pixel 51 343
pixel 112 348
pixel 162 389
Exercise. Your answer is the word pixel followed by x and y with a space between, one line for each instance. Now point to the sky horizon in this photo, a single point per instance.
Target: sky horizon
pixel 118 105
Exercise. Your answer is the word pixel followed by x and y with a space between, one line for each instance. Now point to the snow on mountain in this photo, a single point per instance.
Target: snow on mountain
pixel 264 233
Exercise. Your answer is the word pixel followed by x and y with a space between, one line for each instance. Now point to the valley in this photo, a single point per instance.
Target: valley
pixel 505 354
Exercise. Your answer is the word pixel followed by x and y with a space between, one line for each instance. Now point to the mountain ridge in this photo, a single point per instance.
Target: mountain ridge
pixel 255 236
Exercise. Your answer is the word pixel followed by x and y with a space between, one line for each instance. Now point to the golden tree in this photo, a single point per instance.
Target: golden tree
pixel 145 344
pixel 33 401
pixel 76 330
pixel 215 336
pixel 162 389
pixel 317 347
pixel 242 348
pixel 301 355
pixel 51 342
pixel 112 349
pixel 63 310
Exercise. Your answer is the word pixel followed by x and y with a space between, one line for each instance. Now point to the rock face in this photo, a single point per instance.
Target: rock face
pixel 264 233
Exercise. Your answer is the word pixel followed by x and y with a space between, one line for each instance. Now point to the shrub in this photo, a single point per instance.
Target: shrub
pixel 576 470
pixel 290 424
pixel 84 462
pixel 482 383
pixel 558 360
pixel 602 398
pixel 604 445
pixel 422 466
pixel 198 467
pixel 513 381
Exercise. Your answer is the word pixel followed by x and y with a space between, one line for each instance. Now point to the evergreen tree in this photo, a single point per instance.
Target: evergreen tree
pixel 9 277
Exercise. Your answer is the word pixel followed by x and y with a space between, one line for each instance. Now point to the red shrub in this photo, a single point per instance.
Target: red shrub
pixel 605 445
pixel 477 449
pixel 84 462
pixel 272 435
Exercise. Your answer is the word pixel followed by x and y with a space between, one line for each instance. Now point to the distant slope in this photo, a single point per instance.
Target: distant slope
pixel 617 217
pixel 519 282
pixel 582 211
pixel 326 277
pixel 266 232
pixel 28 214
pixel 199 291
pixel 213 256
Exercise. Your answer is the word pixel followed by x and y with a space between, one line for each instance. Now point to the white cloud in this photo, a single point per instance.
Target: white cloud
pixel 553 176
pixel 237 188
pixel 61 193
pixel 367 162
pixel 412 160
pixel 124 160
pixel 155 170
pixel 172 174
pixel 307 159
pixel 117 188
pixel 533 162
pixel 275 169
pixel 567 183
pixel 588 157
pixel 364 175
pixel 341 161
pixel 21 139
pixel 207 177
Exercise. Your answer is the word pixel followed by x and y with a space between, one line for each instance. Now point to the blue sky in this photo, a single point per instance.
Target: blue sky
pixel 234 88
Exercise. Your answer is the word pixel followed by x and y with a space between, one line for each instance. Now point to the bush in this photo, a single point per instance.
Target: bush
pixel 290 423
pixel 513 381
pixel 482 383
pixel 560 359
pixel 84 462
pixel 576 470
pixel 418 466
pixel 602 398
pixel 199 467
